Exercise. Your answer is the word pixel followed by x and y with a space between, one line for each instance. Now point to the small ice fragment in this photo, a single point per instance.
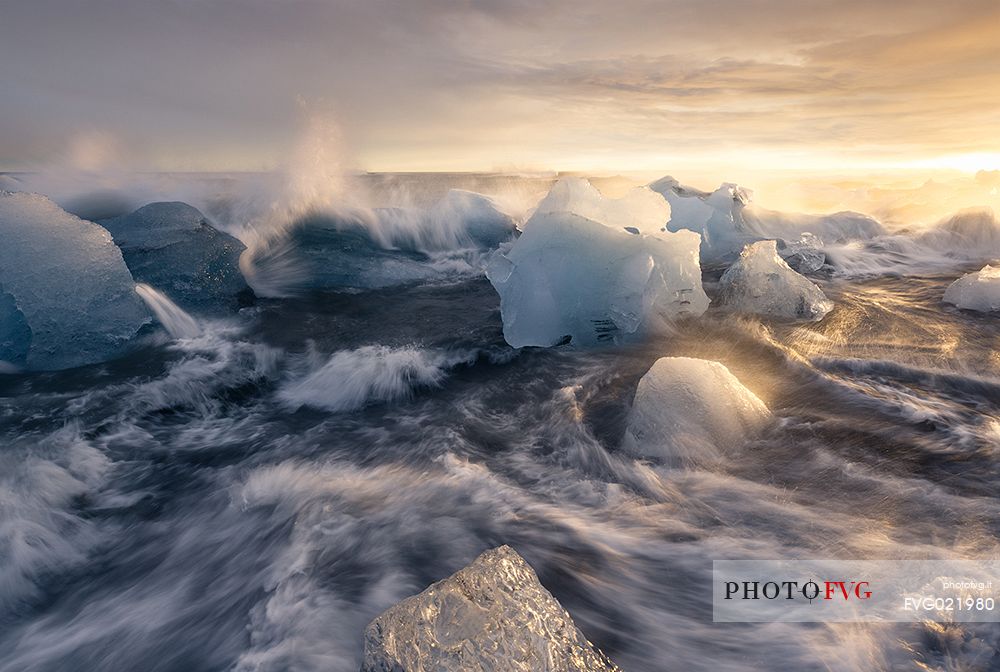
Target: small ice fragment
pixel 493 616
pixel 688 411
pixel 976 291
pixel 760 282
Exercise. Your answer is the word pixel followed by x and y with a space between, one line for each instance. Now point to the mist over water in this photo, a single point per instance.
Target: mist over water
pixel 248 493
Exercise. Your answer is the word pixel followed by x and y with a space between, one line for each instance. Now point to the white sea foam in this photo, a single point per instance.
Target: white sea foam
pixel 351 379
pixel 40 477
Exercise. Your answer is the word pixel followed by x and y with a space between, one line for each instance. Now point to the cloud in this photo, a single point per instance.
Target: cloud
pixel 474 83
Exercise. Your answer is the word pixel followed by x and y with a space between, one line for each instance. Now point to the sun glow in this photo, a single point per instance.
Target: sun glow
pixel 969 163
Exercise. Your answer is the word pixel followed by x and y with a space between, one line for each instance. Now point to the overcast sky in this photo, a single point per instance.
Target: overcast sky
pixel 442 85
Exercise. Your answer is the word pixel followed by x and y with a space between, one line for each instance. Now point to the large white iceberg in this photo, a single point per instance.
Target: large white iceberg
pixel 689 411
pixel 173 247
pixel 761 282
pixel 728 220
pixel 570 276
pixel 492 616
pixel 66 296
pixel 976 291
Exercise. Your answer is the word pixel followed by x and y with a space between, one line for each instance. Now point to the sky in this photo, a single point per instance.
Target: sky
pixel 413 85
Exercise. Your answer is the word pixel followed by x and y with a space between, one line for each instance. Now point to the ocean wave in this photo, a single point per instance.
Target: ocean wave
pixel 352 379
pixel 967 237
pixel 41 532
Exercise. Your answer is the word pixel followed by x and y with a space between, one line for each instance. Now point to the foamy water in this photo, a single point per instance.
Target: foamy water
pixel 249 494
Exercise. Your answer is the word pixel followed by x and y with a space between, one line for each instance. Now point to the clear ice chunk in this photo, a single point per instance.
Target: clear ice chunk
pixel 66 297
pixel 691 411
pixel 804 255
pixel 728 220
pixel 568 276
pixel 641 209
pixel 761 282
pixel 492 616
pixel 976 291
pixel 172 247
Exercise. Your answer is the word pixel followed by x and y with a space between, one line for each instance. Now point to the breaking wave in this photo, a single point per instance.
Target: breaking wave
pixel 248 493
pixel 352 379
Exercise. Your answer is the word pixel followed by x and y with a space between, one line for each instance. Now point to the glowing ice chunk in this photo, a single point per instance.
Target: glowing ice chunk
pixel 761 282
pixel 492 616
pixel 641 209
pixel 688 411
pixel 976 291
pixel 728 220
pixel 594 281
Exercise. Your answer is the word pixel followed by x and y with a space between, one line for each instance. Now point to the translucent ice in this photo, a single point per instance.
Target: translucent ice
pixel 688 411
pixel 716 216
pixel 641 208
pixel 728 220
pixel 570 276
pixel 803 255
pixel 761 282
pixel 66 296
pixel 492 616
pixel 173 247
pixel 976 291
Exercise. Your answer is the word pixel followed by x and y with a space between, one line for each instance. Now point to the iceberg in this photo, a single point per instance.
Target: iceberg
pixel 492 616
pixel 728 220
pixel 172 246
pixel 571 277
pixel 717 216
pixel 761 282
pixel 641 209
pixel 689 411
pixel 66 296
pixel 976 291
